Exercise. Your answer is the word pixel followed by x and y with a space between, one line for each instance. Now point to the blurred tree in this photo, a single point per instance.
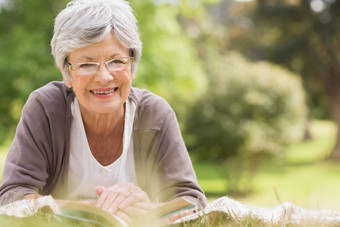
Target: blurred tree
pixel 246 114
pixel 25 59
pixel 301 35
pixel 169 65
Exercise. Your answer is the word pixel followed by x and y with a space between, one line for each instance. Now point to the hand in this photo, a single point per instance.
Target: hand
pixel 124 200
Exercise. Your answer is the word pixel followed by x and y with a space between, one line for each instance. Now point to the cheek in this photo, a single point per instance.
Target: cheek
pixel 79 85
pixel 126 80
pixel 124 76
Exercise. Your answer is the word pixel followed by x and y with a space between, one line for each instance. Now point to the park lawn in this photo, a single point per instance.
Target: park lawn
pixel 303 176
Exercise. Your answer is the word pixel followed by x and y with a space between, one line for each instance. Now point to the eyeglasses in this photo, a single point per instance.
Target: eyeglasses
pixel 89 68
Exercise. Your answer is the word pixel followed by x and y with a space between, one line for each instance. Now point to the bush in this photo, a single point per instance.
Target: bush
pixel 249 110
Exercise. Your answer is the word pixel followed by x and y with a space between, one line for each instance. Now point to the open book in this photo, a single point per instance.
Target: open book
pixel 82 211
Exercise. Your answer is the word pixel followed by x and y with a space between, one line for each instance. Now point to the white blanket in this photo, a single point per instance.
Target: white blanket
pixel 28 207
pixel 281 215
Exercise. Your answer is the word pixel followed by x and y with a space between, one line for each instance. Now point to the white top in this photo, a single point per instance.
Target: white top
pixel 85 172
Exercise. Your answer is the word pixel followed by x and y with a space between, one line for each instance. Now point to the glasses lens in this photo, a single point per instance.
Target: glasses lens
pixel 89 68
pixel 86 68
pixel 118 64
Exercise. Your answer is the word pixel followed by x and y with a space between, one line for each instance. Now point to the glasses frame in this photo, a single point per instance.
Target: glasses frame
pixel 98 64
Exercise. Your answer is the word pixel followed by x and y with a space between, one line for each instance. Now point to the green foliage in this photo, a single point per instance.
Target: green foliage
pixel 304 37
pixel 248 109
pixel 25 59
pixel 301 175
pixel 292 34
pixel 169 65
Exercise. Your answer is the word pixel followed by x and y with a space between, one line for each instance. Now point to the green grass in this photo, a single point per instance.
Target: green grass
pixel 302 176
pixel 3 154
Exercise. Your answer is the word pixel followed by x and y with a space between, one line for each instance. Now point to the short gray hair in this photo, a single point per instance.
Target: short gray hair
pixel 84 22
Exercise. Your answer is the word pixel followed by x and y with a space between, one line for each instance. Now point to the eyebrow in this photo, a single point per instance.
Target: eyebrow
pixel 85 58
pixel 116 55
pixel 91 59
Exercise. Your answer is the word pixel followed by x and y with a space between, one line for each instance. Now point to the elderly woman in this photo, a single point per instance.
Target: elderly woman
pixel 93 136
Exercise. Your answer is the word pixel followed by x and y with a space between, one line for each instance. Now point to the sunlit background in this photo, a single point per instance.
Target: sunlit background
pixel 255 85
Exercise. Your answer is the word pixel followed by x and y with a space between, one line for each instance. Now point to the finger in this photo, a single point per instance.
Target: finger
pixel 99 190
pixel 105 199
pixel 122 196
pixel 139 196
pixel 111 197
pixel 105 192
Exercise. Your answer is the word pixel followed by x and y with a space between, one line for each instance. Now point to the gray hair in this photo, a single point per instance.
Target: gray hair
pixel 84 22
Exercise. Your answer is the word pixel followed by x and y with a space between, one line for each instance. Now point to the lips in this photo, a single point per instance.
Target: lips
pixel 104 91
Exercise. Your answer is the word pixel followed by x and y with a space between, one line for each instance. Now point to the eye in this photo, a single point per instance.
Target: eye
pixel 117 62
pixel 86 66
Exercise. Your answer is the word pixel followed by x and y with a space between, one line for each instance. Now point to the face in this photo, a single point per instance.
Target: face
pixel 104 91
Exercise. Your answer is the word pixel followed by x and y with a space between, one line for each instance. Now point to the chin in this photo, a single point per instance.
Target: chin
pixel 107 109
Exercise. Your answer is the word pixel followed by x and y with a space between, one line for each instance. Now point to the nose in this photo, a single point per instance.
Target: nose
pixel 103 75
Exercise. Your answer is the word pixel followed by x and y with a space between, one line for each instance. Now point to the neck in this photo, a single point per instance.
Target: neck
pixel 104 125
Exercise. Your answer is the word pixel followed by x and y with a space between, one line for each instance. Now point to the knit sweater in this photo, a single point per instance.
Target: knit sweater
pixel 38 157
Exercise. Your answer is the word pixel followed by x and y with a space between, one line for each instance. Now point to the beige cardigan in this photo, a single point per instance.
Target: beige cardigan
pixel 38 156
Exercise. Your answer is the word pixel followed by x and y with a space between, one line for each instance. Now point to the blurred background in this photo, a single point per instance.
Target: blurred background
pixel 255 85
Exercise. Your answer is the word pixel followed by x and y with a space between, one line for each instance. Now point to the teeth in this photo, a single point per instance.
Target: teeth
pixel 103 92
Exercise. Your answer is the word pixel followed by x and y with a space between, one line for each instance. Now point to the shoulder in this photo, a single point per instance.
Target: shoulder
pixel 151 109
pixel 147 100
pixel 53 97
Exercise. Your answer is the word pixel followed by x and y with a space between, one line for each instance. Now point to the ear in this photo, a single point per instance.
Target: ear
pixel 133 75
pixel 67 81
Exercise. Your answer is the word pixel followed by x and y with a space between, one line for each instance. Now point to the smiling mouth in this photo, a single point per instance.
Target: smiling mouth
pixel 104 92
